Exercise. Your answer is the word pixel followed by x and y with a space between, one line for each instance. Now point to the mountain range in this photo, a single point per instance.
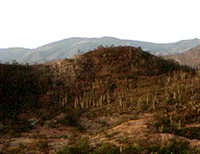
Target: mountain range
pixel 70 47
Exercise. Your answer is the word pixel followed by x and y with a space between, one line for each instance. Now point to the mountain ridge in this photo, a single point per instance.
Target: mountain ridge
pixel 67 48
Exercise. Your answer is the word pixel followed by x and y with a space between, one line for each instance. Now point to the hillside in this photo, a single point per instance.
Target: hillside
pixel 190 57
pixel 109 100
pixel 68 48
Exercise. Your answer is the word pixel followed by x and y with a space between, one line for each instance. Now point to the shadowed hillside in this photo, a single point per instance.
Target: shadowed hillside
pixel 21 87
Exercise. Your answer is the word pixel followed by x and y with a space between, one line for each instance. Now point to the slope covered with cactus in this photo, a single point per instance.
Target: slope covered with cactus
pixel 115 99
pixel 103 70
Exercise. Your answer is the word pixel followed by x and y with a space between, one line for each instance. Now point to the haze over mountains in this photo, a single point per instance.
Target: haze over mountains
pixel 68 48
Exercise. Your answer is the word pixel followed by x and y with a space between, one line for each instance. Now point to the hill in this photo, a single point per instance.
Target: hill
pixel 113 99
pixel 68 48
pixel 108 64
pixel 190 57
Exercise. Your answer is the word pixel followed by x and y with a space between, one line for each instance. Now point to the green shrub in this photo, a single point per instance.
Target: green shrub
pixel 107 148
pixel 175 147
pixel 81 148
pixel 132 149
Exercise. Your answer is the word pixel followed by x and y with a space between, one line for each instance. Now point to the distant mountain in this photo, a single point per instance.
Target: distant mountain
pixel 190 57
pixel 6 55
pixel 68 48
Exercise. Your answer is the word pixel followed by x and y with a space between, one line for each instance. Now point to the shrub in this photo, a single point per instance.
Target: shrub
pixel 81 148
pixel 107 148
pixel 190 132
pixel 132 149
pixel 175 146
pixel 15 125
pixel 163 123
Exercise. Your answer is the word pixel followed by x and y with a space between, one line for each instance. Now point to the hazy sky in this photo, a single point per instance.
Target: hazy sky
pixel 32 23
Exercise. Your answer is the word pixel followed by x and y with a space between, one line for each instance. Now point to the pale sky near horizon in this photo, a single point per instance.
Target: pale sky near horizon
pixel 33 23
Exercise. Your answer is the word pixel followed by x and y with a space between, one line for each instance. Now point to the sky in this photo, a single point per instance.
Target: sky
pixel 33 23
